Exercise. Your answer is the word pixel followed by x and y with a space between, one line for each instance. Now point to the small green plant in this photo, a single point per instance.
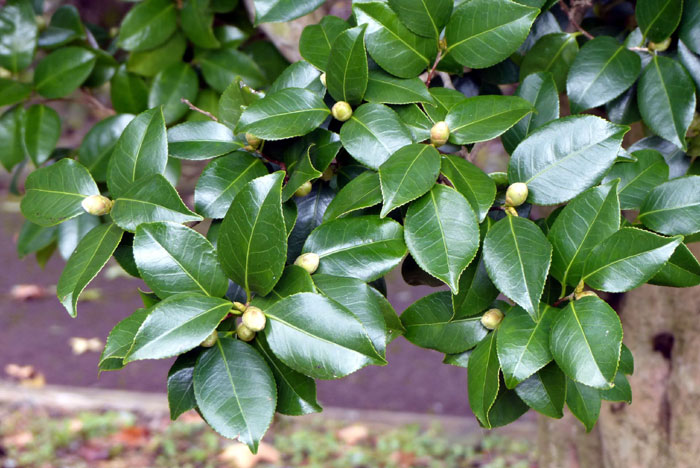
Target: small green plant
pixel 323 176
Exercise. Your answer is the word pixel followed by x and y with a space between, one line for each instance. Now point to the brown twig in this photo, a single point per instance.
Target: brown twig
pixel 96 104
pixel 197 109
pixel 573 12
pixel 431 73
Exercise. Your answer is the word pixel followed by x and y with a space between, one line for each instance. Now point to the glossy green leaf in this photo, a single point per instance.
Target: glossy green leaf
pixel 408 174
pixel 12 92
pixel 483 382
pixel 294 280
pixel 148 25
pixel 681 271
pixel 177 324
pixel 583 224
pixel 65 26
pixel 540 90
pixel 585 342
pixel 478 188
pixel 386 89
pixel 358 298
pixel 200 140
pixel 18 35
pixel 603 70
pixel 197 20
pixel 584 403
pixel 482 118
pixel 545 391
pixel 300 74
pixel 517 257
pixel 173 259
pixel 296 393
pixel 221 67
pixel 149 62
pixel 150 200
pixel 33 238
pixel 96 149
pixel 181 385
pixel 120 340
pixel 423 17
pixel 141 151
pixel 442 234
pixel 553 53
pixel 476 291
pixel 346 72
pixel 627 259
pixel 565 157
pixel 235 391
pixel 362 247
pixel 71 232
pixel 373 134
pixel 691 62
pixel 620 392
pixel 507 408
pixel 300 172
pixel 252 245
pixel 361 192
pixel 87 260
pixel 429 324
pixel 128 92
pixel 55 193
pixel 658 19
pixel 673 207
pixel 666 99
pixel 391 44
pixel 523 344
pixel 445 99
pixel 63 71
pixel 317 39
pixel 42 129
pixel 638 178
pixel 482 33
pixel 178 81
pixel 302 331
pixel 689 32
pixel 222 179
pixel 275 11
pixel 284 114
pixel 233 101
pixel 417 122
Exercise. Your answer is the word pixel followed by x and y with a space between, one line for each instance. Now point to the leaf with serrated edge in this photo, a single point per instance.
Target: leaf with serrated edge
pixel 483 382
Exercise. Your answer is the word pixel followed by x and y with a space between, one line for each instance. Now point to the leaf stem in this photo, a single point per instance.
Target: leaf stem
pixel 431 73
pixel 572 13
pixel 197 109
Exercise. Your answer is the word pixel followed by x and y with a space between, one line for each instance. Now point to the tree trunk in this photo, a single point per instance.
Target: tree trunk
pixel 661 427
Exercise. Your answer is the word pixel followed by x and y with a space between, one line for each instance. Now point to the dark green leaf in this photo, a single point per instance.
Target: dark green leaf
pixel 658 18
pixel 63 71
pixel 33 238
pixel 235 391
pixel 65 26
pixel 423 17
pixel 276 11
pixel 317 39
pixel 386 89
pixel 96 149
pixel 517 257
pixel 42 129
pixel 120 340
pixel 181 386
pixel 12 92
pixel 445 99
pixel 234 99
pixel 621 392
pixel 681 271
pixel 178 81
pixel 223 66
pixel 478 188
pixel 482 118
pixel 85 263
pixel 18 32
pixel 638 178
pixel 584 403
pixel 128 92
pixel 299 75
pixel 545 391
pixel 150 62
pixel 197 20
pixel 673 207
pixel 200 140
pixel 362 247
pixel 417 122
pixel 476 291
pixel 483 382
pixel 507 408
pixel 11 129
pixel 71 232
pixel 689 32
pixel 553 53
pixel 252 244
pixel 363 191
pixel 148 25
pixel 300 172
pixel 565 157
pixel 347 66
pixel 294 280
pixel 586 340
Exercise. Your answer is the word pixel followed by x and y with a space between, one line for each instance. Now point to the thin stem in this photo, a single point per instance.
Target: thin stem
pixel 96 103
pixel 197 109
pixel 639 49
pixel 571 13
pixel 431 73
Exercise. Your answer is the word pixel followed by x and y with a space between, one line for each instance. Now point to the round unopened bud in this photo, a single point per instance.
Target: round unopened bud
pixel 492 318
pixel 341 111
pixel 239 306
pixel 510 210
pixel 439 134
pixel 252 140
pixel 97 205
pixel 254 319
pixel 210 340
pixel 304 190
pixel 323 79
pixel 660 46
pixel 244 333
pixel 582 294
pixel 516 194
pixel 308 261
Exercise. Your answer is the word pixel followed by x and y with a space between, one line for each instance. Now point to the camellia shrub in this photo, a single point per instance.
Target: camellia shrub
pixel 321 176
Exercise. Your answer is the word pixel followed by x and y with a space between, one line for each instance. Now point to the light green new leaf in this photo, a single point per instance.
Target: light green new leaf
pixel 483 382
pixel 42 129
pixel 545 391
pixel 177 324
pixel 442 234
pixel 364 247
pixel 553 53
pixel 302 331
pixel 386 89
pixel 85 263
pixel 517 257
pixel 429 324
pixel 666 99
pixel 583 224
pixel 346 72
pixel 55 193
pixel 627 259
pixel 673 207
pixel 317 39
pixel 235 391
pixel 586 340
pixel 63 71
pixel 658 19
pixel 373 134
pixel 423 17
pixel 200 140
pixel 482 118
pixel 18 35
pixel 361 192
pixel 151 200
pixel 285 114
pixel 120 340
pixel 222 179
pixel 252 244
pixel 482 33
pixel 172 84
pixel 565 157
pixel 148 25
pixel 407 174
pixel 141 151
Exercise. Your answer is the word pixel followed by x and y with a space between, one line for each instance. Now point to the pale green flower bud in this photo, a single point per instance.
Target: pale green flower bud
pixel 254 319
pixel 97 205
pixel 210 340
pixel 492 319
pixel 304 190
pixel 308 261
pixel 244 333
pixel 341 111
pixel 439 134
pixel 516 194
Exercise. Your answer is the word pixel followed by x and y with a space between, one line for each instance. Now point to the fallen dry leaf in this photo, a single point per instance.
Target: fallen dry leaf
pixel 19 372
pixel 354 434
pixel 83 345
pixel 134 436
pixel 19 440
pixel 239 455
pixel 27 292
